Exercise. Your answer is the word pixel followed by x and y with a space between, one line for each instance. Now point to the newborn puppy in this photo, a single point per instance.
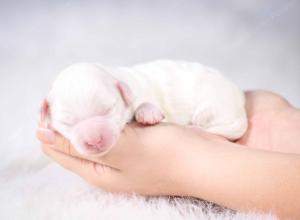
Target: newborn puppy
pixel 90 104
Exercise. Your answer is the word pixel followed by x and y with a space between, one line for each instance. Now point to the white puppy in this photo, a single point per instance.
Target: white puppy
pixel 90 104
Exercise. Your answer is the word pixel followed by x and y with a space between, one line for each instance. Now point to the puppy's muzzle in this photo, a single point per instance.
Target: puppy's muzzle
pixel 95 135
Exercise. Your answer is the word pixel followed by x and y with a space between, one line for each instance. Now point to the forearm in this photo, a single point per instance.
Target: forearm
pixel 244 179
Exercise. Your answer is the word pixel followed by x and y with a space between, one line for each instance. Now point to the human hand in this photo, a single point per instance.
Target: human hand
pixel 151 160
pixel 145 160
pixel 273 123
pixel 171 160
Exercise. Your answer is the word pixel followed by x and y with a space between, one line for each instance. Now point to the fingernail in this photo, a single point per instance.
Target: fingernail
pixel 47 135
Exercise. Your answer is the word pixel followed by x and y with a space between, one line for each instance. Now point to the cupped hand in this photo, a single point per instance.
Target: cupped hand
pixel 146 160
pixel 155 160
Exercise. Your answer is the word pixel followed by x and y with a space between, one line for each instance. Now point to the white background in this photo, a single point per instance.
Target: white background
pixel 255 43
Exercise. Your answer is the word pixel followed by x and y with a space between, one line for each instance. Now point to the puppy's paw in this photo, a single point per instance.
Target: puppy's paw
pixel 148 114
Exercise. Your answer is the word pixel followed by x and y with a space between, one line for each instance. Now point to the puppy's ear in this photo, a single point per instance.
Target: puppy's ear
pixel 125 92
pixel 44 112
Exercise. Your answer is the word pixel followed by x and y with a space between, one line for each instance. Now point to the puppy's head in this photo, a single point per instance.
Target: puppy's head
pixel 89 107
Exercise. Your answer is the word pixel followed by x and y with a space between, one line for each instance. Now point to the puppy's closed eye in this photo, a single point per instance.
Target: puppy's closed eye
pixel 104 111
pixel 68 120
pixel 108 109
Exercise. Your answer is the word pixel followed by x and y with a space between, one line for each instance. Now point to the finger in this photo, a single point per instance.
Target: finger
pixel 94 173
pixel 45 135
pixel 63 145
pixel 112 158
pixel 75 164
pixel 57 141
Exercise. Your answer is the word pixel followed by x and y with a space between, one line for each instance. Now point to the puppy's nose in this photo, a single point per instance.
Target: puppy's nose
pixel 95 144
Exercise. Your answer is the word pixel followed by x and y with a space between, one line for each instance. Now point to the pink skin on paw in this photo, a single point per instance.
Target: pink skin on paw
pixel 148 114
pixel 95 135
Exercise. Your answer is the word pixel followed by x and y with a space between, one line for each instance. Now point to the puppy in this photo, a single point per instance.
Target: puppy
pixel 90 104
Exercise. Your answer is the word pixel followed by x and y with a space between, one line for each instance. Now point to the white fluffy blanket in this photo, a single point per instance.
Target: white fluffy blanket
pixel 254 42
pixel 33 187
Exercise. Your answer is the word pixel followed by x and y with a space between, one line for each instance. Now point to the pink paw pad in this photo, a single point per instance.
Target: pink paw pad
pixel 148 114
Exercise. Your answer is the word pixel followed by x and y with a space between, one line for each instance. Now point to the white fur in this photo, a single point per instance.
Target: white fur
pixel 188 92
pixel 49 192
pixel 185 92
pixel 33 187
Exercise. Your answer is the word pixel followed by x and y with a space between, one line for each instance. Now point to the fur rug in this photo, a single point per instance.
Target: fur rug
pixel 254 42
pixel 33 187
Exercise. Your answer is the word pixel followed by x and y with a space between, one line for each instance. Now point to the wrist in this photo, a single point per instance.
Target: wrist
pixel 200 166
pixel 188 166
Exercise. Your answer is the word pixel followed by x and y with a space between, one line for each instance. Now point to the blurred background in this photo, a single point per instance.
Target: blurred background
pixel 255 43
